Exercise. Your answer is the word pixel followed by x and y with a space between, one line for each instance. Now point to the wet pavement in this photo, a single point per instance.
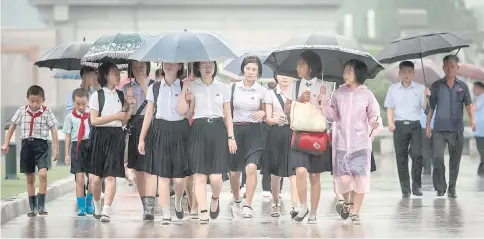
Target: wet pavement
pixel 384 214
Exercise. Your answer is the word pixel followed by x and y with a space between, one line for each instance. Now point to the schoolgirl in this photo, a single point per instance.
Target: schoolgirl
pixel 248 112
pixel 108 115
pixel 145 182
pixel 277 155
pixel 211 136
pixel 309 69
pixel 165 145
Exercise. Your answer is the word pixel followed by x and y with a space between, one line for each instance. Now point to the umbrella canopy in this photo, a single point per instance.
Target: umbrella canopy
pixel 334 51
pixel 419 46
pixel 67 75
pixel 115 48
pixel 182 47
pixel 471 71
pixel 65 56
pixel 432 71
pixel 232 67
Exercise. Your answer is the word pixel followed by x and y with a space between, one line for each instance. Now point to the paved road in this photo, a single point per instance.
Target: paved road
pixel 384 214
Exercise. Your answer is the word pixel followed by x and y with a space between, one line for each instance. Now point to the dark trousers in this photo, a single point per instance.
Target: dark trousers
pixel 407 140
pixel 426 153
pixel 266 182
pixel 455 142
pixel 480 148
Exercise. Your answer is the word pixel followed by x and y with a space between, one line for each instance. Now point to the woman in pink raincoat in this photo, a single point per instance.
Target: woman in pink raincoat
pixel 356 114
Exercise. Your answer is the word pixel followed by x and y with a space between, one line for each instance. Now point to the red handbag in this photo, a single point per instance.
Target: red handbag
pixel 314 143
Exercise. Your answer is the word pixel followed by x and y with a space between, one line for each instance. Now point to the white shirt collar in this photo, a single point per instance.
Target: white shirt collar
pixel 41 109
pixel 309 82
pixel 108 90
pixel 176 82
pixel 254 86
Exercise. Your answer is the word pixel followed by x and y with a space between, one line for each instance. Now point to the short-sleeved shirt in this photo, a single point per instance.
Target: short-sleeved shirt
pixel 72 125
pixel 247 101
pixel 112 105
pixel 449 115
pixel 271 98
pixel 313 85
pixel 209 99
pixel 407 103
pixel 167 101
pixel 479 115
pixel 41 125
pixel 138 94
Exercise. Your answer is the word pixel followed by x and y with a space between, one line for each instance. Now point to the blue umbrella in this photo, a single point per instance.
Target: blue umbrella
pixel 182 47
pixel 67 75
pixel 232 67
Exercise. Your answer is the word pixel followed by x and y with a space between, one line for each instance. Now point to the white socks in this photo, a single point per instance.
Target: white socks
pixel 166 213
pixel 97 207
pixel 106 210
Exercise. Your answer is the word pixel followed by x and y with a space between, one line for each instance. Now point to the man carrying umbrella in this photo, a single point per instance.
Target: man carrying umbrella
pixel 449 95
pixel 405 102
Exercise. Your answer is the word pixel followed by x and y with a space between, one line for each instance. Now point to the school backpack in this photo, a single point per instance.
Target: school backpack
pixel 102 98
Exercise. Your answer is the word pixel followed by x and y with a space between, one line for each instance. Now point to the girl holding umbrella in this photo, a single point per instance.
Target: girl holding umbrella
pixel 211 136
pixel 309 69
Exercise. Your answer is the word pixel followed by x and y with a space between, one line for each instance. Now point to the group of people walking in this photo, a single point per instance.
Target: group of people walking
pixel 198 131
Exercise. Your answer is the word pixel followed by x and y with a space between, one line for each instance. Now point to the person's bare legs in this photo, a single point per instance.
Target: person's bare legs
pixel 276 188
pixel 179 186
pixel 164 198
pixel 190 189
pixel 302 190
pixel 201 195
pixel 314 179
pixel 216 183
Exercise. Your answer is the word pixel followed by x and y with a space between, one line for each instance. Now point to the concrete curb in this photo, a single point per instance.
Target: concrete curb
pixel 19 205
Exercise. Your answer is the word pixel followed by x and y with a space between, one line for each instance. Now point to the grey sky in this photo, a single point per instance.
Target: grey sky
pixel 19 14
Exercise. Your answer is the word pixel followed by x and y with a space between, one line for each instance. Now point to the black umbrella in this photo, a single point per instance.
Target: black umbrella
pixel 419 46
pixel 65 56
pixel 334 51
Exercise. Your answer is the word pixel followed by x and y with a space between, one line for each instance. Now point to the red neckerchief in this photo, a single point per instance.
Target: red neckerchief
pixel 33 116
pixel 82 128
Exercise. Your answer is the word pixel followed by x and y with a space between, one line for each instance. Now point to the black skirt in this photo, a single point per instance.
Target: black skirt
pixel 167 149
pixel 312 163
pixel 208 147
pixel 80 160
pixel 135 160
pixel 250 146
pixel 107 156
pixel 277 154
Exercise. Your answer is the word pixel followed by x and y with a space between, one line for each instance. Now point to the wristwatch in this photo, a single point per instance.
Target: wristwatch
pixel 232 137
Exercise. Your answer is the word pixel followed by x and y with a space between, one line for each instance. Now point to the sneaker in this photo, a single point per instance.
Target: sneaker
pixel 204 218
pixel 355 218
pixel 235 208
pixel 276 210
pixel 312 219
pixel 339 206
pixel 247 211
pixel 166 221
pixel 105 218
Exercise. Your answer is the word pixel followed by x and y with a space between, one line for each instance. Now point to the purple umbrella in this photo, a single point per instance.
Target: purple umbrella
pixel 433 72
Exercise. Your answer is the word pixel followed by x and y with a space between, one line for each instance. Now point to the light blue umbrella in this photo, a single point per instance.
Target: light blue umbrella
pixel 182 47
pixel 232 67
pixel 67 75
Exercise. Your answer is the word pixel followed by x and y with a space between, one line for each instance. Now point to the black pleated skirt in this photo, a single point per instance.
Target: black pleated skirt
pixel 312 163
pixel 208 147
pixel 135 160
pixel 277 154
pixel 107 156
pixel 250 140
pixel 167 149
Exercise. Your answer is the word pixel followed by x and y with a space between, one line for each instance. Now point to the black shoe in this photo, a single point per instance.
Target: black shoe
pixel 172 192
pixel 298 218
pixel 293 213
pixel 417 192
pixel 452 194
pixel 97 216
pixel 33 206
pixel 345 210
pixel 405 195
pixel 41 204
pixel 215 214
pixel 180 214
pixel 440 193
